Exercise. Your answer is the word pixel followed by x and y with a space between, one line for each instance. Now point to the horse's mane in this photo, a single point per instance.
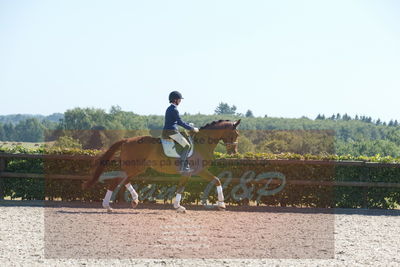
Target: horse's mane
pixel 219 124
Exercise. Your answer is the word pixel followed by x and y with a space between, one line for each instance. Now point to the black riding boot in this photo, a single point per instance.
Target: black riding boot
pixel 185 168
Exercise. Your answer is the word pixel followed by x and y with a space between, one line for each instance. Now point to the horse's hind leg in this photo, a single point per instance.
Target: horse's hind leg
pixel 110 189
pixel 122 178
pixel 134 195
pixel 210 177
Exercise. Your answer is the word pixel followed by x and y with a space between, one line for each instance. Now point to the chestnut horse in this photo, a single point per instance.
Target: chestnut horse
pixel 142 152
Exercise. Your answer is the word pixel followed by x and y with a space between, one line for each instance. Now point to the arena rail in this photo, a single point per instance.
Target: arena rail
pixel 5 157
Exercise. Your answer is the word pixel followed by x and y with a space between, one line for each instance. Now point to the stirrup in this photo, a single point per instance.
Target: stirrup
pixel 185 167
pixel 186 170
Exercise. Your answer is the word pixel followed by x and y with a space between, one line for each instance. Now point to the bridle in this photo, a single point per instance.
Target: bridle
pixel 229 144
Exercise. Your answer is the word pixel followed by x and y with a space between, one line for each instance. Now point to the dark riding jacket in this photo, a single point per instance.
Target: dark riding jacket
pixel 172 120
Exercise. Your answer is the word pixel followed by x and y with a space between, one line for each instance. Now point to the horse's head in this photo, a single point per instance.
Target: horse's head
pixel 226 131
pixel 230 138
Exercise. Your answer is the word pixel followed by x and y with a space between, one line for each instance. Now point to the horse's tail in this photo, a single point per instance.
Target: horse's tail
pixel 104 159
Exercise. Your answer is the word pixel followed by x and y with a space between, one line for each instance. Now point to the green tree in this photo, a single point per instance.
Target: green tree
pixel 9 132
pixel 224 108
pixel 2 133
pixel 346 117
pixel 83 119
pixel 249 114
pixel 30 130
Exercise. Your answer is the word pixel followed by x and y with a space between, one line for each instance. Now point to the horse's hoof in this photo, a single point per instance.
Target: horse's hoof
pixel 221 206
pixel 134 203
pixel 181 209
pixel 109 209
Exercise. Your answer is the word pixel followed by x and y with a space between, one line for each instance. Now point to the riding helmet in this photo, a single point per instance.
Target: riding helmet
pixel 175 95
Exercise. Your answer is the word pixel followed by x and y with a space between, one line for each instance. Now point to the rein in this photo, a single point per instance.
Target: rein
pixel 225 143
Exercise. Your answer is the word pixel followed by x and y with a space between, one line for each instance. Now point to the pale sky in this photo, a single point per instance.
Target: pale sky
pixel 280 58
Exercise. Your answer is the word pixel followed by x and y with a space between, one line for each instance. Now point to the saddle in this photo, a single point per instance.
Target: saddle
pixel 170 147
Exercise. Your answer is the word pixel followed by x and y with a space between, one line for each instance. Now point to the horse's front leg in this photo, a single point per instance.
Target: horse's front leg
pixel 210 177
pixel 179 191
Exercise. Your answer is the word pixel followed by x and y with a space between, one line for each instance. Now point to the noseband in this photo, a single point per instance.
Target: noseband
pixel 230 144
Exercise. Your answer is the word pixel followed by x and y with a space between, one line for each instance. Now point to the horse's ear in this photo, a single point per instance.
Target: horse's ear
pixel 236 123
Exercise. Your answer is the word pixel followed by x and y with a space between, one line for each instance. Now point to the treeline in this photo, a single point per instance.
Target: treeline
pixel 336 134
pixel 366 119
pixel 27 130
pixel 16 118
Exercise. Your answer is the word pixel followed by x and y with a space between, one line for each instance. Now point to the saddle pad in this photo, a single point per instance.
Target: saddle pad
pixel 169 148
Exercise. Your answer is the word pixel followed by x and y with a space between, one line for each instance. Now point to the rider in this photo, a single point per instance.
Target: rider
pixel 172 120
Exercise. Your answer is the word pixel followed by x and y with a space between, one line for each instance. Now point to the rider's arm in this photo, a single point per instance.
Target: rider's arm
pixel 181 122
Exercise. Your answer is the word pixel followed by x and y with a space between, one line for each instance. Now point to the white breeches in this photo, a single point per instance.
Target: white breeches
pixel 178 137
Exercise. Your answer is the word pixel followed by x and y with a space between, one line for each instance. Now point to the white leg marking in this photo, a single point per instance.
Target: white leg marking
pixel 177 202
pixel 132 191
pixel 220 193
pixel 106 200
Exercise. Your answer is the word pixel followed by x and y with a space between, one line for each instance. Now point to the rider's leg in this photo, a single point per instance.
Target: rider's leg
pixel 178 137
pixel 184 154
pixel 184 159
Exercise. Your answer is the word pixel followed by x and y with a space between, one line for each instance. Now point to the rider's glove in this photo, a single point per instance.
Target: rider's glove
pixel 196 130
